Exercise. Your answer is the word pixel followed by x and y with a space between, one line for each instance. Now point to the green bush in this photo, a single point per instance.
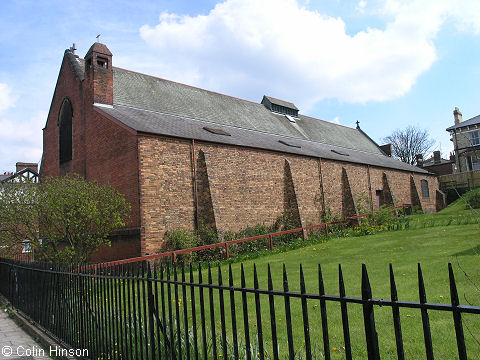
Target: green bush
pixel 382 220
pixel 248 246
pixel 208 236
pixel 473 201
pixel 182 239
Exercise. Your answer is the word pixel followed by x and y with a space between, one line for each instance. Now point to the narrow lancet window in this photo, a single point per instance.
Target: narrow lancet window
pixel 65 131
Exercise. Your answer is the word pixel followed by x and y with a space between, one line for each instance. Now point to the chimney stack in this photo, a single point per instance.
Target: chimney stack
pixel 457 115
pixel 436 157
pixel 419 159
pixel 21 165
pixel 387 149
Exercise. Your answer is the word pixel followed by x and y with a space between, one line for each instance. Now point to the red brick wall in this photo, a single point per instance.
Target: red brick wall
pixel 166 189
pixel 247 186
pixel 68 85
pixel 111 157
pixel 102 150
pixel 428 203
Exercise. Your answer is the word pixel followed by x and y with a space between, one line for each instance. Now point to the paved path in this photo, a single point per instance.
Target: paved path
pixel 16 344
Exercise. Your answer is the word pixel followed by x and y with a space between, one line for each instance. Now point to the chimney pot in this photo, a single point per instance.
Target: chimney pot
pixel 22 165
pixel 436 157
pixel 457 115
pixel 419 159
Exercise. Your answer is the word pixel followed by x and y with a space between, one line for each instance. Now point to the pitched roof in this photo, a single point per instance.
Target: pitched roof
pixel 169 97
pixel 150 93
pixel 154 105
pixel 183 127
pixel 431 162
pixel 473 121
pixel 24 174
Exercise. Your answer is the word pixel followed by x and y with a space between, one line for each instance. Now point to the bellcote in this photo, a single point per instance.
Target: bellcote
pixel 99 73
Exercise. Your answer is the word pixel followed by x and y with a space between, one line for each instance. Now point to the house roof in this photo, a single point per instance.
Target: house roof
pixel 430 162
pixel 26 174
pixel 154 105
pixel 473 121
pixel 183 127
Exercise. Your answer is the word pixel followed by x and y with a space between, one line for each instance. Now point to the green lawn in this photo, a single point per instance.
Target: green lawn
pixel 433 246
pixel 425 242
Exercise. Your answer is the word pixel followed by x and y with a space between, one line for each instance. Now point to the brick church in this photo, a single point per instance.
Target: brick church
pixel 183 155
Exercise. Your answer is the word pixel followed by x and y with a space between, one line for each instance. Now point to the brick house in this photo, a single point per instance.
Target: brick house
pixel 437 165
pixel 183 155
pixel 466 142
pixel 25 173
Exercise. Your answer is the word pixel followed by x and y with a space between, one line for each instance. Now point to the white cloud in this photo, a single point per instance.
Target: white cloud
pixel 24 137
pixel 7 100
pixel 280 48
pixel 362 4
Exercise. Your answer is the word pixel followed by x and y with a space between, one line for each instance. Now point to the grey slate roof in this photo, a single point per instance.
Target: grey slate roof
pixel 150 93
pixel 164 107
pixel 188 128
pixel 473 121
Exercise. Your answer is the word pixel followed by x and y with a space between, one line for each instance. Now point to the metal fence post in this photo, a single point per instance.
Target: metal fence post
pixel 369 318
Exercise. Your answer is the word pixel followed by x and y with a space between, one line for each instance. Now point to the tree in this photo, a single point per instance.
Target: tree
pixel 409 142
pixel 64 219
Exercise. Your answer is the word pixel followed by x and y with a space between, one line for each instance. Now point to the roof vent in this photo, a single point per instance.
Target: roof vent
pixel 289 144
pixel 280 106
pixel 339 153
pixel 216 131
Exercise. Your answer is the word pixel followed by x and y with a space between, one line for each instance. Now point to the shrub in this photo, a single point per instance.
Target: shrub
pixel 382 220
pixel 473 201
pixel 249 246
pixel 208 236
pixel 182 239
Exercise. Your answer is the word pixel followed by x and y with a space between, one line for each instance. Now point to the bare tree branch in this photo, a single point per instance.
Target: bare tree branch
pixel 409 142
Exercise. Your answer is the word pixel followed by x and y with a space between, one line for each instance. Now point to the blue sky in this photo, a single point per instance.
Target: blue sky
pixel 385 63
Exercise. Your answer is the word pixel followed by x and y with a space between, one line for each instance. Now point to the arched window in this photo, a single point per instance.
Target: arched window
pixel 65 131
pixel 425 192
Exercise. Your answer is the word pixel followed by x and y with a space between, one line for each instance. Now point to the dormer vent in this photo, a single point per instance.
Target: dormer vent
pixel 339 153
pixel 289 144
pixel 280 106
pixel 216 131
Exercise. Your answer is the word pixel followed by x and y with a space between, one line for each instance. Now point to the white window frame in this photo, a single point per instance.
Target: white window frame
pixel 474 140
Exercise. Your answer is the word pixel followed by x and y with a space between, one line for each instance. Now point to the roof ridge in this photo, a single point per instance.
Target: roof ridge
pixel 328 122
pixel 218 93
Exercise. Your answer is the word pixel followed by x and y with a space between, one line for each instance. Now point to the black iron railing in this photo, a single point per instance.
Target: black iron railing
pixel 144 312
